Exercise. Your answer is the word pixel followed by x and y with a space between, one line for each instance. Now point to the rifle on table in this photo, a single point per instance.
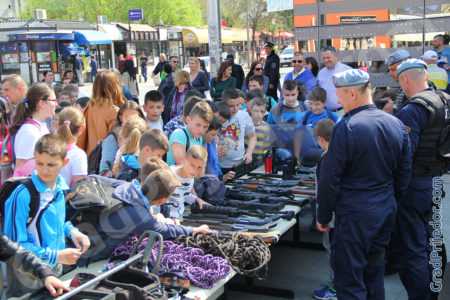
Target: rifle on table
pixel 234 212
pixel 248 205
pixel 219 226
pixel 277 183
pixel 266 198
pixel 276 190
pixel 282 176
pixel 206 218
pixel 241 168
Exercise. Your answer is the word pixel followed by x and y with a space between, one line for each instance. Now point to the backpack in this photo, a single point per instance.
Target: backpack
pixel 8 157
pixel 188 142
pixel 9 186
pixel 308 114
pixel 444 140
pixel 95 156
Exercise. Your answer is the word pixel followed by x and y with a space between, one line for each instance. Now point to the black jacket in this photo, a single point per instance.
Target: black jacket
pixel 238 73
pixel 22 259
pixel 165 88
pixel 159 68
pixel 272 68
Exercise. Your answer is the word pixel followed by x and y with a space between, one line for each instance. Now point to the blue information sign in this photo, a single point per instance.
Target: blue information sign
pixel 135 14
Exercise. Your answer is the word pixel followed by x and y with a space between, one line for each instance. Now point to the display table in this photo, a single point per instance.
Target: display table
pixel 194 292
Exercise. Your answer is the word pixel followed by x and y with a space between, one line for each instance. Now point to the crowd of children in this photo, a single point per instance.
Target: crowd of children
pixel 58 137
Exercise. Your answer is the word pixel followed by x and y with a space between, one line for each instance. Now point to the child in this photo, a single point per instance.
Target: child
pixel 306 148
pixel 81 103
pixel 183 138
pixel 192 165
pixel 209 143
pixel 158 182
pixel 257 82
pixel 110 144
pixel 257 108
pixel 152 143
pixel 153 107
pixel 132 130
pixel 46 234
pixel 29 125
pixel 27 262
pixel 283 120
pixel 70 125
pixel 64 96
pixel 323 131
pixel 231 137
pixel 224 112
pixel 176 123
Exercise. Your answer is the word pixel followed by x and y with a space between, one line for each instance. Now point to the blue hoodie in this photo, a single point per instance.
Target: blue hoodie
pixel 129 168
pixel 52 226
pixel 133 218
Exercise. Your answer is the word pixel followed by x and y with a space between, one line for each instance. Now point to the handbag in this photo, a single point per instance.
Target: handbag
pixel 156 80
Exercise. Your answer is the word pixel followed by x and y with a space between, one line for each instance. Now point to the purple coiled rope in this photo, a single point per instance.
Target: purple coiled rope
pixel 202 270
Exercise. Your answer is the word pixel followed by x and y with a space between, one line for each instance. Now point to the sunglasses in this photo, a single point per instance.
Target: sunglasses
pixel 258 69
pixel 297 61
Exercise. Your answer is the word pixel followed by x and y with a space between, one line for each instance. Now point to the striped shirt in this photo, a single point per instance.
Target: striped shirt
pixel 263 140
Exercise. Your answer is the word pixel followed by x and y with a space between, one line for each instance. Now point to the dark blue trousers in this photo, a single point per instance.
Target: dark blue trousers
pixel 410 240
pixel 357 253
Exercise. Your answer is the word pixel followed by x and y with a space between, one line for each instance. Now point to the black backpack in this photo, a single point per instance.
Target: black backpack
pixel 95 156
pixel 444 140
pixel 9 186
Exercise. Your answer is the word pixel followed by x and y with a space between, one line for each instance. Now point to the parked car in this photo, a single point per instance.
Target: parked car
pixel 286 57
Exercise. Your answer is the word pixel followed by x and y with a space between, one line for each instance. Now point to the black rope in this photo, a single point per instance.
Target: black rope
pixel 248 255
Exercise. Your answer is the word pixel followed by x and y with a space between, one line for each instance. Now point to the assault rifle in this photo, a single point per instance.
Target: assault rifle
pixel 234 212
pixel 240 169
pixel 275 190
pixel 277 183
pixel 266 198
pixel 301 176
pixel 219 226
pixel 248 205
pixel 206 218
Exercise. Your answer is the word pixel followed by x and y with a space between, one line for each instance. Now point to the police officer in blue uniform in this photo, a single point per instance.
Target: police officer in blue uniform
pixel 366 168
pixel 423 116
pixel 393 61
pixel 272 70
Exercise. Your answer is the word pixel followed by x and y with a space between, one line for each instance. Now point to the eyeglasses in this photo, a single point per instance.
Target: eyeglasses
pixel 258 69
pixel 175 61
pixel 297 61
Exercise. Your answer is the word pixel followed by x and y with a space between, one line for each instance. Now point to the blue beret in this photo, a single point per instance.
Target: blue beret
pixel 397 56
pixel 350 78
pixel 411 63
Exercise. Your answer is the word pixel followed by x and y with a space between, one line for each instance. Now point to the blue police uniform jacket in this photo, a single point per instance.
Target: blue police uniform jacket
pixel 367 166
pixel 52 226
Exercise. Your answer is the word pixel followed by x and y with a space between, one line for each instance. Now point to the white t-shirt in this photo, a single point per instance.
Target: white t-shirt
pixel 181 195
pixel 231 138
pixel 77 165
pixel 155 125
pixel 27 137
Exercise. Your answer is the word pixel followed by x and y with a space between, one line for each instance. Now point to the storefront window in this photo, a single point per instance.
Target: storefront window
pixel 23 47
pixel 43 57
pixel 42 46
pixel 10 63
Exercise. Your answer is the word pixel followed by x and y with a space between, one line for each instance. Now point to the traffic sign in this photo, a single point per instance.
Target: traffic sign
pixel 135 14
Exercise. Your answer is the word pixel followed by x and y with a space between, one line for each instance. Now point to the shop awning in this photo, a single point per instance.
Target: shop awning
pixel 195 36
pixel 40 36
pixel 111 31
pixel 240 34
pixel 90 37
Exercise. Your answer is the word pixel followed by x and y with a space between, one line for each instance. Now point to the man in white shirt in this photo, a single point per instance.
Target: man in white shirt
pixel 325 77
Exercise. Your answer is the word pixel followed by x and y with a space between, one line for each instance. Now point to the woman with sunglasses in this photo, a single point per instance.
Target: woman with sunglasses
pixel 29 125
pixel 256 68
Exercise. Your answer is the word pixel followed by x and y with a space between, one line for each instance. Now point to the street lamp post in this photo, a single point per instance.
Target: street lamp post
pixel 248 40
